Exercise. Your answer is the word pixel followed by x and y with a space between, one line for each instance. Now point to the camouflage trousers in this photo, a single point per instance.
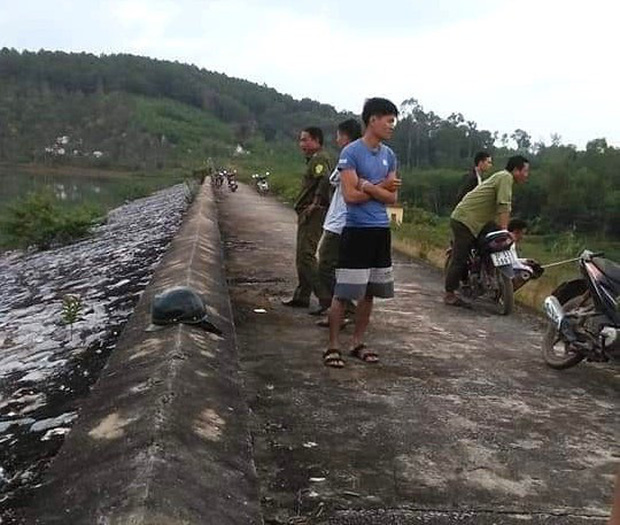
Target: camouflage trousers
pixel 309 230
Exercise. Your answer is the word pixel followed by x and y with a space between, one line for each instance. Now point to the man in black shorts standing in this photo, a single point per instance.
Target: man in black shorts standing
pixel 368 180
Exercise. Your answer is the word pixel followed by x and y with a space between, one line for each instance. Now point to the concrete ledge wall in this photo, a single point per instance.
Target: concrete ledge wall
pixel 163 438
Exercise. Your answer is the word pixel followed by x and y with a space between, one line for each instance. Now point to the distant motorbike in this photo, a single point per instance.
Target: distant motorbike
pixel 217 179
pixel 262 185
pixel 584 320
pixel 490 271
pixel 232 183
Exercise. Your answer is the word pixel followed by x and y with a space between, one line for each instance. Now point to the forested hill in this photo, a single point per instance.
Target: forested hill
pixel 135 108
pixel 138 111
pixel 135 112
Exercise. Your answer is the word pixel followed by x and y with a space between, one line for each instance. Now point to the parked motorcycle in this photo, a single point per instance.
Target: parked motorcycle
pixel 262 185
pixel 217 179
pixel 584 320
pixel 490 270
pixel 233 186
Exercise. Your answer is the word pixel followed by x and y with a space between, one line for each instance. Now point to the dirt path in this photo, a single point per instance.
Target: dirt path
pixel 460 423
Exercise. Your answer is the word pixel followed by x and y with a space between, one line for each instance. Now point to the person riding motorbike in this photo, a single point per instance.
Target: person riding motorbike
pixel 490 201
pixel 525 269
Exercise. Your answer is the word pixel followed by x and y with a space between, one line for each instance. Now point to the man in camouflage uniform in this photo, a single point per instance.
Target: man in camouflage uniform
pixel 311 207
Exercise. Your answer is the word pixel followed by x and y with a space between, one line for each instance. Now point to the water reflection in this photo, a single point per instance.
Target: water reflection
pixel 70 188
pixel 74 192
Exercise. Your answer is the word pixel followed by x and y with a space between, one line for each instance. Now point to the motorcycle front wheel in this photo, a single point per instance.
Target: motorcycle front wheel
pixel 555 350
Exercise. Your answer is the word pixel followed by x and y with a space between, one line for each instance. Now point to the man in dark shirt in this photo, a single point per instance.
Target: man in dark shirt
pixel 311 207
pixel 482 163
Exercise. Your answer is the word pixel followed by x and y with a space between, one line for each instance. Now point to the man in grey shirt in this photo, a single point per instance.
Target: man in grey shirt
pixel 347 131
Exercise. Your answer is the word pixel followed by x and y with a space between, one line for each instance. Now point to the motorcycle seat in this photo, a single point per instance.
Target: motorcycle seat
pixel 495 241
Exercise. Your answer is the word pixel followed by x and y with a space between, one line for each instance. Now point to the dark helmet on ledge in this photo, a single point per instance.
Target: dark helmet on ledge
pixel 180 304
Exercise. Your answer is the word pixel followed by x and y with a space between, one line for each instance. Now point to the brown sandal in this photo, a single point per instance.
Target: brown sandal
pixel 333 358
pixel 362 353
pixel 458 303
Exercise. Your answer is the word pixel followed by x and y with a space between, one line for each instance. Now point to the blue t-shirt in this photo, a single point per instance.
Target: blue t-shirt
pixel 374 166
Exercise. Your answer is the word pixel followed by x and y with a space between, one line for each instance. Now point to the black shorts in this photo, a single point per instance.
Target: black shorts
pixel 364 264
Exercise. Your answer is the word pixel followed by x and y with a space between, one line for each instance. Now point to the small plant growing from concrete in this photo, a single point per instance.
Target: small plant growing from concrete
pixel 71 307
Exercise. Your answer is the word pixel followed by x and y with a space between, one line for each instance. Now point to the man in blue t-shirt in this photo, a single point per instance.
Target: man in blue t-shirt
pixel 368 182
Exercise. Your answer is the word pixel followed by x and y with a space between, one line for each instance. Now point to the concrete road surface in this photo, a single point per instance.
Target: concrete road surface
pixel 461 422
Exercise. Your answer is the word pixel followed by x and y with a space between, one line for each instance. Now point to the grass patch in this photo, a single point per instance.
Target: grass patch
pixel 285 165
pixel 193 133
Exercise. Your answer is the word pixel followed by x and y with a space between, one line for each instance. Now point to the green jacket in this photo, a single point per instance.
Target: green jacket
pixel 315 182
pixel 482 204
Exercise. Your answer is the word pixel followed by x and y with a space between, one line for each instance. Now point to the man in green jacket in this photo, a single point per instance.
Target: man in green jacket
pixel 491 201
pixel 311 207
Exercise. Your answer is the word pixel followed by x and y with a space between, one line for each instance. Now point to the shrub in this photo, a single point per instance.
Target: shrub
pixel 567 244
pixel 413 215
pixel 39 220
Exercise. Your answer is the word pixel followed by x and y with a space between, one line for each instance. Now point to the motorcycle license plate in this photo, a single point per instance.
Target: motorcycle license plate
pixel 504 258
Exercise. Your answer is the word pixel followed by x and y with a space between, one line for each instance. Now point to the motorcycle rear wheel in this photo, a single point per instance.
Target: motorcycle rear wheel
pixel 505 298
pixel 552 342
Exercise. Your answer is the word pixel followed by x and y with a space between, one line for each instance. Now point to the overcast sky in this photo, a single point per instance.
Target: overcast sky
pixel 541 65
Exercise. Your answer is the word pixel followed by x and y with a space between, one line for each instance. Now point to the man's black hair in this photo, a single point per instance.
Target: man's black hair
pixel 378 107
pixel 517 224
pixel 351 128
pixel 315 133
pixel 516 162
pixel 481 156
